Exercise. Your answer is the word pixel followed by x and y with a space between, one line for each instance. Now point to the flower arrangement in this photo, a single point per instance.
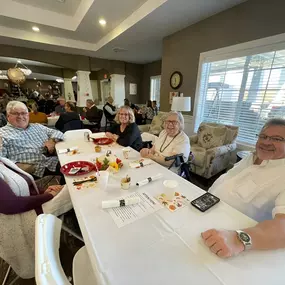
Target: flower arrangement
pixel 109 162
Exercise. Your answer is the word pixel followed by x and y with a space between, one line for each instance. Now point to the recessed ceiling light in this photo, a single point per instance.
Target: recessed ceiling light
pixel 61 1
pixel 35 78
pixel 35 29
pixel 102 22
pixel 19 61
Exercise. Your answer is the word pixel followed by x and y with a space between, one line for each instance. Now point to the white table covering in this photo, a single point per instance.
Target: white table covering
pixel 164 247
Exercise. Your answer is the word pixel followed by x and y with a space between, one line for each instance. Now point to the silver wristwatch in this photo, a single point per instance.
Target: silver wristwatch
pixel 245 239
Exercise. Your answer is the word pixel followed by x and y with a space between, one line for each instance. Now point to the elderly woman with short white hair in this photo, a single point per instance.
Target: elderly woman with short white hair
pixel 171 141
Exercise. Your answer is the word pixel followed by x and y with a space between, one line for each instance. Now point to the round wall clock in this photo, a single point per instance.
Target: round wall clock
pixel 176 79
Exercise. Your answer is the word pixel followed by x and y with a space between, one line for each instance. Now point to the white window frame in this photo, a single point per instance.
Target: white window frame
pixel 268 44
pixel 154 77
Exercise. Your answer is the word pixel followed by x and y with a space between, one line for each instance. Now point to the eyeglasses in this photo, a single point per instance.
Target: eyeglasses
pixel 123 114
pixel 23 114
pixel 274 139
pixel 173 123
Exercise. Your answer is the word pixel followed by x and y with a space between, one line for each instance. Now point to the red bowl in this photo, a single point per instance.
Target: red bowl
pixel 103 141
pixel 88 167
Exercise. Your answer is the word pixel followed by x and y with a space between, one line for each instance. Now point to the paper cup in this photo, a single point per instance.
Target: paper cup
pixel 126 152
pixel 169 188
pixel 103 179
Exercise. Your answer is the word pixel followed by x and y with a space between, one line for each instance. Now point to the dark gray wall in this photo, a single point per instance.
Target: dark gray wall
pixel 248 21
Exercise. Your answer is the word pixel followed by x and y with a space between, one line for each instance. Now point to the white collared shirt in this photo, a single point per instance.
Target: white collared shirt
pixel 258 191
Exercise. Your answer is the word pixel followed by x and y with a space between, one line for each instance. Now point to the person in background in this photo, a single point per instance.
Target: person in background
pixel 154 107
pixel 29 145
pixel 126 131
pixel 109 109
pixel 149 112
pixel 41 104
pixel 128 103
pixel 69 115
pixel 35 116
pixel 256 187
pixel 171 141
pixel 49 105
pixel 3 120
pixel 20 203
pixel 60 108
pixel 91 111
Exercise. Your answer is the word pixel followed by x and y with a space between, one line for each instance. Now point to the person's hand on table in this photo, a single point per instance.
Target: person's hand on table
pixel 223 243
pixel 54 189
pixel 112 136
pixel 50 145
pixel 145 152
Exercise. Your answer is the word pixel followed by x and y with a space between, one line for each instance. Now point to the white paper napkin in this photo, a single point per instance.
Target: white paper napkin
pixel 141 163
pixel 65 150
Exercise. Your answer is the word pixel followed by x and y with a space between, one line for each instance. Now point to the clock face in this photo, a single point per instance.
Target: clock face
pixel 176 80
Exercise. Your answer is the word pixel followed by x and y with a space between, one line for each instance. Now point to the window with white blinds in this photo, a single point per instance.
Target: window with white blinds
pixel 155 88
pixel 244 91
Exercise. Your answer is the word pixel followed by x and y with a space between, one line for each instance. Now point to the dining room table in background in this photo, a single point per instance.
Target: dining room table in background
pixel 163 247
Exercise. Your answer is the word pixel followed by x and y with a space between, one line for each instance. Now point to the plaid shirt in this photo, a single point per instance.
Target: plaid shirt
pixel 27 145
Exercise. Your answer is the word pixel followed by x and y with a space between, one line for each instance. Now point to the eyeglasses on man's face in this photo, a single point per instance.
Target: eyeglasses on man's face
pixel 17 114
pixel 270 138
pixel 173 123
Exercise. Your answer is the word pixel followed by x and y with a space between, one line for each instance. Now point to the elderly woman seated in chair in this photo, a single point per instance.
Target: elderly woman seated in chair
pixel 171 141
pixel 20 203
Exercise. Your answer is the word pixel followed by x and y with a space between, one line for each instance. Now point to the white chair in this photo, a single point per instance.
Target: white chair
pixel 48 267
pixel 76 134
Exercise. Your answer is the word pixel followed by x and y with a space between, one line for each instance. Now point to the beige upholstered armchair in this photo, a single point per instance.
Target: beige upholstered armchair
pixel 212 147
pixel 156 125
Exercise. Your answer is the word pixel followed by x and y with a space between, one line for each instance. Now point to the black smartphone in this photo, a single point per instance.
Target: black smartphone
pixel 205 202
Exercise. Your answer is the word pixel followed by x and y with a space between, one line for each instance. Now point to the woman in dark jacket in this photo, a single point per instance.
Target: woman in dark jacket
pixel 126 131
pixel 69 120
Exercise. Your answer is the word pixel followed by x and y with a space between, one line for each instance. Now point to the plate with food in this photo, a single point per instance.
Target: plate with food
pixel 76 168
pixel 102 141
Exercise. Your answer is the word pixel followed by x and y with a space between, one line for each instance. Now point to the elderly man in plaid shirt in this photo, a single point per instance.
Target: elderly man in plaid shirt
pixel 28 144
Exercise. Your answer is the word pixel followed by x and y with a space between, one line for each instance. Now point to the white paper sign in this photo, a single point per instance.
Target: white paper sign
pixel 133 89
pixel 128 214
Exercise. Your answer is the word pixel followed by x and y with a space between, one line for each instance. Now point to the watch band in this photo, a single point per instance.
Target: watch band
pixel 245 239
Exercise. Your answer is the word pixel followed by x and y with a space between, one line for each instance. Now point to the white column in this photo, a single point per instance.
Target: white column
pixel 84 90
pixel 94 88
pixel 68 90
pixel 118 89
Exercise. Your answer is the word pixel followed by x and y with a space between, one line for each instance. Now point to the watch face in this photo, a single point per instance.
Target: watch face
pixel 245 237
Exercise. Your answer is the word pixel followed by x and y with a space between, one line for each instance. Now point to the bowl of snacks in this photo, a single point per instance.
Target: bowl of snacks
pixel 126 183
pixel 109 162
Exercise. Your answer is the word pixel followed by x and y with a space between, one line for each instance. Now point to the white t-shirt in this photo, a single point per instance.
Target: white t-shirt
pixel 258 191
pixel 179 144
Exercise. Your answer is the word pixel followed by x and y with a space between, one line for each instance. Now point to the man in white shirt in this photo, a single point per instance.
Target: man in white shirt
pixel 256 187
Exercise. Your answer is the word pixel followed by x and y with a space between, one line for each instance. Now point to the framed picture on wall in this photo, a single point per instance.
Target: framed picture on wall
pixel 171 95
pixel 133 89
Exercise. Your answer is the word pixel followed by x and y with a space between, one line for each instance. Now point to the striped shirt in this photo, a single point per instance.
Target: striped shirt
pixel 27 146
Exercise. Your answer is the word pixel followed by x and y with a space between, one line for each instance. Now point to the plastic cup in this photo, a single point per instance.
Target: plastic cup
pixel 125 185
pixel 169 188
pixel 126 152
pixel 103 179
